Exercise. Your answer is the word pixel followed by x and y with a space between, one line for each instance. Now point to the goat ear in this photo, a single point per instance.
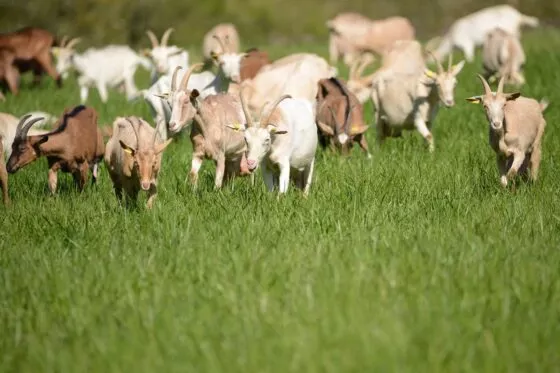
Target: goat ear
pixel 163 96
pixel 325 128
pixel 474 99
pixel 146 52
pixel 127 149
pixel 161 147
pixel 236 127
pixel 55 51
pixel 358 129
pixel 512 96
pixel 42 139
pixel 214 55
pixel 272 129
pixel 194 94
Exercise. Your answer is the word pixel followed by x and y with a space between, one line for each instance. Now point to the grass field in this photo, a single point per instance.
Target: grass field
pixel 409 262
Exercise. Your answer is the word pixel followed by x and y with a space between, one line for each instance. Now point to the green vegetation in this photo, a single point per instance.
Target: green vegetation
pixel 100 22
pixel 410 262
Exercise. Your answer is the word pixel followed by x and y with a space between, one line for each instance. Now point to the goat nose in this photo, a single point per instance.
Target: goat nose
pixel 450 103
pixel 145 185
pixel 251 163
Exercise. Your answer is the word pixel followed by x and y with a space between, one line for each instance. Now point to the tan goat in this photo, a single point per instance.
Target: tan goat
pixel 503 55
pixel 352 34
pixel 210 139
pixel 75 146
pixel 133 158
pixel 516 130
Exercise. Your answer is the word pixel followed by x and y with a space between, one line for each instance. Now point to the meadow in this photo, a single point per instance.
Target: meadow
pixel 408 262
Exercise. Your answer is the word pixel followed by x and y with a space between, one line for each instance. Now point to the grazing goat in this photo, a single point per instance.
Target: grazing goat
pixel 8 72
pixel 3 176
pixel 516 130
pixel 110 66
pixel 503 55
pixel 223 34
pixel 165 57
pixel 411 98
pixel 133 158
pixel 340 117
pixel 75 146
pixel 470 31
pixel 283 142
pixel 209 116
pixel 31 47
pixel 351 34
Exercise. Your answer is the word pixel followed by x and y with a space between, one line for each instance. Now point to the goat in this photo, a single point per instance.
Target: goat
pixel 225 32
pixel 31 48
pixel 470 31
pixel 410 99
pixel 133 158
pixel 503 55
pixel 165 57
pixel 75 146
pixel 283 142
pixel 296 75
pixel 208 117
pixel 515 132
pixel 3 176
pixel 253 61
pixel 339 117
pixel 112 65
pixel 351 34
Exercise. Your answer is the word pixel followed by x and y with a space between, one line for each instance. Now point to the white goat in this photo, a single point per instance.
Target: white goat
pixel 165 57
pixel 224 32
pixel 411 99
pixel 503 55
pixel 516 129
pixel 109 66
pixel 470 31
pixel 283 142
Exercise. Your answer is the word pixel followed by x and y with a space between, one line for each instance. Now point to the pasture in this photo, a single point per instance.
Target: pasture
pixel 408 262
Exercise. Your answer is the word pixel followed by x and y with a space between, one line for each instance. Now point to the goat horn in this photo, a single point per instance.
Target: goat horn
pixel 63 41
pixel 272 108
pixel 165 37
pixel 72 43
pixel 353 68
pixel 438 63
pixel 500 89
pixel 23 128
pixel 219 40
pixel 450 61
pixel 153 38
pixel 135 132
pixel 248 117
pixel 487 89
pixel 156 133
pixel 174 78
pixel 365 61
pixel 187 75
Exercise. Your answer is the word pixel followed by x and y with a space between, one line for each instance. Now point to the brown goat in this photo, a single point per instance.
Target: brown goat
pixel 75 146
pixel 32 49
pixel 252 63
pixel 3 176
pixel 8 72
pixel 340 117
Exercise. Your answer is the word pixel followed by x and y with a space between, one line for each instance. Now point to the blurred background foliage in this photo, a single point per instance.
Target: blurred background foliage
pixel 259 22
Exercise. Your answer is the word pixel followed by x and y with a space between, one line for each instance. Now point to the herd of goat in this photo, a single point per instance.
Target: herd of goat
pixel 256 112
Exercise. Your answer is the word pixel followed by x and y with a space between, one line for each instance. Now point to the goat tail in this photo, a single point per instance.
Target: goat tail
pixel 529 20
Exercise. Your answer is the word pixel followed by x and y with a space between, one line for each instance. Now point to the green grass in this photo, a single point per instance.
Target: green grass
pixel 410 262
